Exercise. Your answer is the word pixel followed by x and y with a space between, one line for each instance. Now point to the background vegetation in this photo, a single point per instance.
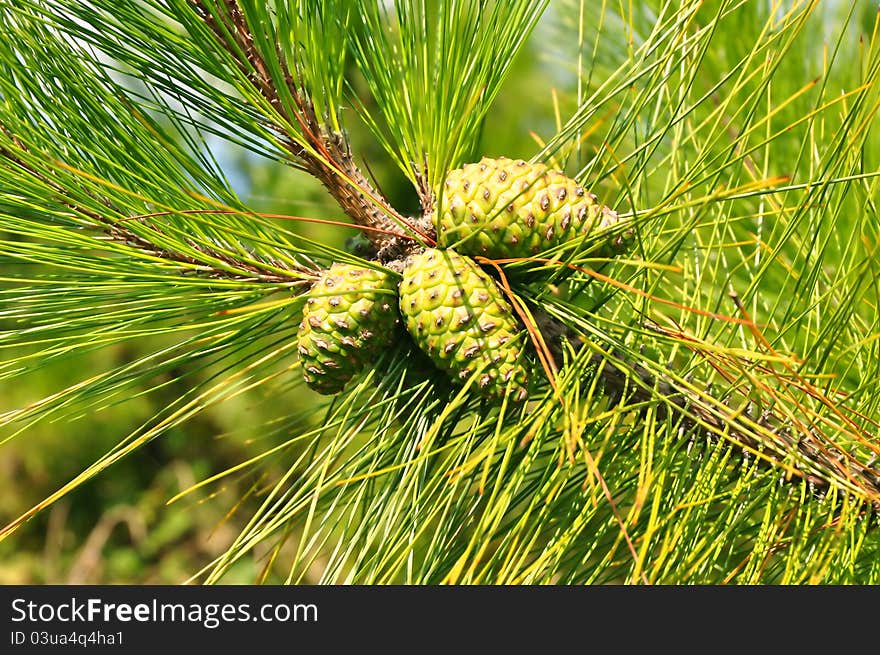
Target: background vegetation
pixel 738 136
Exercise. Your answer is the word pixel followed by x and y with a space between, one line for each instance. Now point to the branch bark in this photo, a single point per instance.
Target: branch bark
pixel 327 156
pixel 767 435
pixel 118 231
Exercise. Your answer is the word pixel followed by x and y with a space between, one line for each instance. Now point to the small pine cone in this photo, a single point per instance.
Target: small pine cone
pixel 502 208
pixel 349 318
pixel 458 315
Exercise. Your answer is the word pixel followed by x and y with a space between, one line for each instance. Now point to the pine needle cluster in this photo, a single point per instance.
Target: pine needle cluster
pixel 709 410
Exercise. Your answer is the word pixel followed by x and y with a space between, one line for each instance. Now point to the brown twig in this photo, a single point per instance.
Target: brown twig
pixel 766 435
pixel 118 231
pixel 328 157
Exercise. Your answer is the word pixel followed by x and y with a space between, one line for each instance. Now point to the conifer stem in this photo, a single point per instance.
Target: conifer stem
pixel 328 156
pixel 768 436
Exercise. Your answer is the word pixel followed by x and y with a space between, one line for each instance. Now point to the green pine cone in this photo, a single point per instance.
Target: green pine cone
pixel 349 318
pixel 503 208
pixel 458 316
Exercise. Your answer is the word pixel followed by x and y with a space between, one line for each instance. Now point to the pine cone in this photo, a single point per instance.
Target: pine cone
pixel 350 316
pixel 458 315
pixel 504 208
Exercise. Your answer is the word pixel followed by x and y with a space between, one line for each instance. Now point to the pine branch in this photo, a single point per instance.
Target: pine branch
pixel 117 231
pixel 328 155
pixel 404 479
pixel 796 446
